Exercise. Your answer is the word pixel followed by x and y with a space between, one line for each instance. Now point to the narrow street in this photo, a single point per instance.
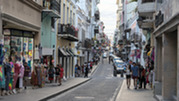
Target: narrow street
pixel 102 87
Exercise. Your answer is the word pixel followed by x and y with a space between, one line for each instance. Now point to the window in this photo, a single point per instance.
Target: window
pixel 67 15
pixel 53 22
pixel 73 18
pixel 63 13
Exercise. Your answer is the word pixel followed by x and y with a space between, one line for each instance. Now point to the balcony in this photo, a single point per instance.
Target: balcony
pixel 51 8
pixel 145 23
pixel 68 32
pixel 146 7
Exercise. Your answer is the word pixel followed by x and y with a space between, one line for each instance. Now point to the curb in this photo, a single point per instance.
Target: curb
pixel 56 94
pixel 120 90
pixel 95 69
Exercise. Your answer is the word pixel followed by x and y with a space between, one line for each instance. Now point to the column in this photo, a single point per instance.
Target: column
pixel 169 65
pixel 158 66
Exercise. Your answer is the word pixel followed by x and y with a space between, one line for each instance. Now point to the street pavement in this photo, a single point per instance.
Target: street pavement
pixel 102 87
pixel 131 94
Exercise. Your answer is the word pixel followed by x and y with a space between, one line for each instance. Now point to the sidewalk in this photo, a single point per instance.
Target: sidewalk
pixel 49 91
pixel 131 94
pixel 93 70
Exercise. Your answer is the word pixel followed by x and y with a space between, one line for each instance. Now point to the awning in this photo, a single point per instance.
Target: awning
pixel 73 53
pixel 61 53
pixel 67 54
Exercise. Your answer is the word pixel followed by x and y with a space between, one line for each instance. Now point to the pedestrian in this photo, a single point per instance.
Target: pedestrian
pixel 135 74
pixel 51 74
pixel 91 65
pixel 86 70
pixel 142 78
pixel 128 76
pixel 61 74
pixel 82 70
pixel 79 71
pixel 76 69
pixel 109 59
pixel 26 74
pixel 57 73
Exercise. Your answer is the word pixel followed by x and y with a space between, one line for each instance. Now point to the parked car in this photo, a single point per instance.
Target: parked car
pixel 116 58
pixel 119 67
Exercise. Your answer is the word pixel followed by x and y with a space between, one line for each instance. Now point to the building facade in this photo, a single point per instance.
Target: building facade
pixel 20 23
pixel 166 31
pixel 66 37
pixel 50 16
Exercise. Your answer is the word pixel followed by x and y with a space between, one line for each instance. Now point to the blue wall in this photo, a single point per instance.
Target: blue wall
pixel 48 38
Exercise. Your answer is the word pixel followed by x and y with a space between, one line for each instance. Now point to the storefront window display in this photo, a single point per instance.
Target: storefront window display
pixel 19 44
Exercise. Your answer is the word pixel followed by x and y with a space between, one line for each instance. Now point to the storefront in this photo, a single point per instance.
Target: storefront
pixel 19 43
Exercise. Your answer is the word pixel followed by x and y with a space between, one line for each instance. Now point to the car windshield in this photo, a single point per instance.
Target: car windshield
pixel 117 59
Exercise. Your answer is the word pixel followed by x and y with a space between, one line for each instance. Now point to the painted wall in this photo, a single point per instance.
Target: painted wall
pixel 47 33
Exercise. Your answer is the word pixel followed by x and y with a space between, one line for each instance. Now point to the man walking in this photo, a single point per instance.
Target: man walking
pixel 135 74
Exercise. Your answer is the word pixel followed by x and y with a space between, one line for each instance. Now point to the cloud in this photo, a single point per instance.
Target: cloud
pixel 108 15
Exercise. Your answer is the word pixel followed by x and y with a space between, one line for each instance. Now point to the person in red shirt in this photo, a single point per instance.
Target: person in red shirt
pixel 61 74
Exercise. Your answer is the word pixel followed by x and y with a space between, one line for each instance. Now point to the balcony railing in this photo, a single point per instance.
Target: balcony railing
pixel 52 5
pixel 68 31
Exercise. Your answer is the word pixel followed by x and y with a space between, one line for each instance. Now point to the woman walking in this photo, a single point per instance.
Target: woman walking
pixel 128 76
pixel 61 74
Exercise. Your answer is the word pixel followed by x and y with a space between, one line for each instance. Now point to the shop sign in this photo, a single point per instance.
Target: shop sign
pixel 159 19
pixel 47 51
pixel 28 34
pixel 16 33
pixel 78 52
pixel 7 32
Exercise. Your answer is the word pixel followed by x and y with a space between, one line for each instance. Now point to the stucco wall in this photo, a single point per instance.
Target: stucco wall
pixel 20 10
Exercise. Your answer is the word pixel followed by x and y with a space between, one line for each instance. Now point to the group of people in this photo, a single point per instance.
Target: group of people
pixel 41 73
pixel 83 70
pixel 141 76
pixel 17 75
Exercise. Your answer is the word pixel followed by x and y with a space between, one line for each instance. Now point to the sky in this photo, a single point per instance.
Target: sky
pixel 108 15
